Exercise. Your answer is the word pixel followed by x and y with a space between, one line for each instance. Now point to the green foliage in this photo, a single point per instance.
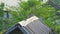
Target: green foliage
pixel 1 9
pixel 1 17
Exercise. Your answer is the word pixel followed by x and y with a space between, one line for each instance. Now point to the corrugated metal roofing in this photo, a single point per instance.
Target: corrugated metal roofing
pixel 31 26
pixel 34 26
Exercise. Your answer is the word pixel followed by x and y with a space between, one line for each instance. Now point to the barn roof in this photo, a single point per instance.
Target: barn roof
pixel 31 26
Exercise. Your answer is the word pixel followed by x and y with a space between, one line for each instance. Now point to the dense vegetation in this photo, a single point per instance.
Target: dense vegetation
pixel 47 14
